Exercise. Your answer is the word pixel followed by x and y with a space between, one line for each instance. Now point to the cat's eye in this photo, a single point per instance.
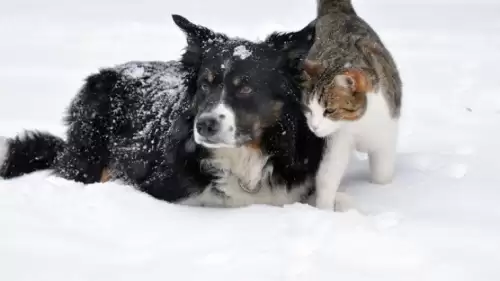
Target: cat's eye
pixel 328 111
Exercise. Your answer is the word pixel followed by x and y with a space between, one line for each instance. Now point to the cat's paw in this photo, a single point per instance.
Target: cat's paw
pixel 343 202
pixel 325 203
pixel 382 178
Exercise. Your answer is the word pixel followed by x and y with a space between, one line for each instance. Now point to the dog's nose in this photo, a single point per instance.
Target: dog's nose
pixel 207 126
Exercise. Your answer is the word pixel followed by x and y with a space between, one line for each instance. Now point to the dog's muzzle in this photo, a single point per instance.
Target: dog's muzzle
pixel 208 126
pixel 216 128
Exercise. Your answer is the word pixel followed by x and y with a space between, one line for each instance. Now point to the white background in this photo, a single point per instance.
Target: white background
pixel 439 220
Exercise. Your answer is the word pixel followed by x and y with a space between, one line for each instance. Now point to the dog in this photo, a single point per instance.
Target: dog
pixel 222 127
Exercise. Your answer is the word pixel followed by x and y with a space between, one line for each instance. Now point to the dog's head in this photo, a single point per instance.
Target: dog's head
pixel 242 87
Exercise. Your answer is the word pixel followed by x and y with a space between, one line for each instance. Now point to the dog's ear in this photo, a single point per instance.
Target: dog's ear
pixel 197 36
pixel 295 45
pixel 301 40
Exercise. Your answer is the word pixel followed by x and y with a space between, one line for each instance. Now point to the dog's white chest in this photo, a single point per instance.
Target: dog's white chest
pixel 243 179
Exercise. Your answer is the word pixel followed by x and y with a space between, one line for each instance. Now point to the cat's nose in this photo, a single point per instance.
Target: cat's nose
pixel 313 126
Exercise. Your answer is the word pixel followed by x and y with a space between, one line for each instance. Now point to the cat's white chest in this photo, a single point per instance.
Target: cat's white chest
pixel 376 127
pixel 375 133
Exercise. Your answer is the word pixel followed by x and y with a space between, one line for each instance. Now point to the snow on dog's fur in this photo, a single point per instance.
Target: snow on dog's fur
pixel 222 127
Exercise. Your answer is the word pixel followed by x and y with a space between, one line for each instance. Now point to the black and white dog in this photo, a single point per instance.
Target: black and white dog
pixel 222 127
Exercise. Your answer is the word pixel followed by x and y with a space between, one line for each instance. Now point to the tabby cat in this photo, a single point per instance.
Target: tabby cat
pixel 352 95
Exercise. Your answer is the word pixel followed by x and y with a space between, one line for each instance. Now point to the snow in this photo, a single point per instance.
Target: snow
pixel 439 220
pixel 242 52
pixel 135 72
pixel 3 149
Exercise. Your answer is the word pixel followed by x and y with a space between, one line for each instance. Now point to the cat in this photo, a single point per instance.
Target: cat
pixel 352 97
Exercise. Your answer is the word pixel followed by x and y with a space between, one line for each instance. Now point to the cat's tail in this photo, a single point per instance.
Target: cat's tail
pixel 326 7
pixel 28 152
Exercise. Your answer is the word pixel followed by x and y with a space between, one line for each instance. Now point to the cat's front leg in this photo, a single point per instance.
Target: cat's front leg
pixel 332 169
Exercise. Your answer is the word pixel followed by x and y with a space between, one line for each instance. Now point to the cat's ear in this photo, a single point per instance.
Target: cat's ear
pixel 354 79
pixel 313 69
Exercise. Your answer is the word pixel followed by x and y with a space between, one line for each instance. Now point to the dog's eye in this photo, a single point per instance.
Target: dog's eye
pixel 245 91
pixel 205 87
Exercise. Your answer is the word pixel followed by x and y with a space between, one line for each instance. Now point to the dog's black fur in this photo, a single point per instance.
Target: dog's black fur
pixel 137 120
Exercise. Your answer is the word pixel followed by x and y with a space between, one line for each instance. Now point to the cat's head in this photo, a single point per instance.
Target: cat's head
pixel 333 96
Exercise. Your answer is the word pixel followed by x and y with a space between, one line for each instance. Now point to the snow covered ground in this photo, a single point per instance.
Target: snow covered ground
pixel 439 220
